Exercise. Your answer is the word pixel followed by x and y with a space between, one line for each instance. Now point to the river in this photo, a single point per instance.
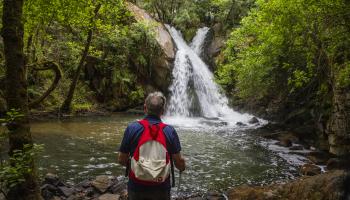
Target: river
pixel 217 157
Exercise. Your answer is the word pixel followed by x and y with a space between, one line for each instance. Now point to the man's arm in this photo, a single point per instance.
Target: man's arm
pixel 179 161
pixel 123 158
pixel 124 149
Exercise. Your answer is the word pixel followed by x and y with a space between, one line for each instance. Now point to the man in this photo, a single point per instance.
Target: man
pixel 139 186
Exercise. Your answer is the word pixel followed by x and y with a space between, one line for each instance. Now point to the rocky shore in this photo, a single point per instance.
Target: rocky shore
pixel 332 185
pixel 301 144
pixel 101 188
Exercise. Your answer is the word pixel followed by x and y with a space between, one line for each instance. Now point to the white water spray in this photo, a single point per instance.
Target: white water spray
pixel 194 92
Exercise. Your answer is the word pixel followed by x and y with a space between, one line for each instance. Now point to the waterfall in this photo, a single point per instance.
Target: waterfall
pixel 194 92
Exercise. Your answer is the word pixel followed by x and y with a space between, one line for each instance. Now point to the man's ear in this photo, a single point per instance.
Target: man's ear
pixel 145 108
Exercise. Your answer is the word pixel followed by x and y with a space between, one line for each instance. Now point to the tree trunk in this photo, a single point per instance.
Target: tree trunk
pixel 16 94
pixel 49 65
pixel 66 106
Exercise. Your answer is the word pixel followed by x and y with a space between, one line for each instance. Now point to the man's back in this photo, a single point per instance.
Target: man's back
pixel 138 189
pixel 130 141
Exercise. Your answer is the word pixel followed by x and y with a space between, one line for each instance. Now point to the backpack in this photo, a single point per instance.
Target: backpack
pixel 150 163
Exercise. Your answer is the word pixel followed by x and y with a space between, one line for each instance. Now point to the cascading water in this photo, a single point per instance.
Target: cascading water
pixel 194 92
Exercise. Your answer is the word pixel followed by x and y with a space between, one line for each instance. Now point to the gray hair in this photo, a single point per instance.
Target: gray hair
pixel 155 103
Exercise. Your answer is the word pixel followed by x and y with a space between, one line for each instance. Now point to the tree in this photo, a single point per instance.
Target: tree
pixel 297 50
pixel 16 94
pixel 66 106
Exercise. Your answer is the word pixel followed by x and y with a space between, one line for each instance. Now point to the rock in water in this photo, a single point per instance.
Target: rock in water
pixel 253 120
pixel 310 170
pixel 318 157
pixel 109 197
pixel 66 191
pixel 285 143
pixel 51 179
pixel 101 183
pixel 296 148
pixel 241 124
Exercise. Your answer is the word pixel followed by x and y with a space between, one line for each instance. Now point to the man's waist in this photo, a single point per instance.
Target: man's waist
pixel 132 185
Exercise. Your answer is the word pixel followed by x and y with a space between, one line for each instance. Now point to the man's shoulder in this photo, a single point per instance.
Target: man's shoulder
pixel 169 129
pixel 133 126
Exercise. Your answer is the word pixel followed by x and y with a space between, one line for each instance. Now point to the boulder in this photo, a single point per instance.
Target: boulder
pixel 319 157
pixel 48 191
pixel 310 170
pixel 285 142
pixel 253 120
pixel 117 188
pixel 101 183
pixel 51 179
pixel 90 192
pixel 109 197
pixel 282 136
pixel 66 191
pixel 161 70
pixel 296 148
pixel 241 124
pixel 338 163
pixel 83 184
pixel 333 185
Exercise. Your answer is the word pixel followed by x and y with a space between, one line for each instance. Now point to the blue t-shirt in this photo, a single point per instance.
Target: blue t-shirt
pixel 129 143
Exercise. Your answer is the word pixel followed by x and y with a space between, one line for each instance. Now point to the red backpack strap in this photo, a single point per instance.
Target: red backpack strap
pixel 144 123
pixel 162 125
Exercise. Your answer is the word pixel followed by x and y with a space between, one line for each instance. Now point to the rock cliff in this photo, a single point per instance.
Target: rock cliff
pixel 161 70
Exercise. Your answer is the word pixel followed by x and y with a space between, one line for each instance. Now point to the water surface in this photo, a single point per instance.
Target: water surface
pixel 217 157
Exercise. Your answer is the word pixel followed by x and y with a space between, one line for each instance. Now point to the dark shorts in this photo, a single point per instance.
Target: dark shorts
pixel 149 195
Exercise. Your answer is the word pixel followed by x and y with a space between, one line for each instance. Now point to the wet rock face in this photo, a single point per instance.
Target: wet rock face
pixel 339 124
pixel 333 185
pixel 213 45
pixel 161 70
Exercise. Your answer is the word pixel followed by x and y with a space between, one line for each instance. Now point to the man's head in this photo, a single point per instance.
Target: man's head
pixel 155 104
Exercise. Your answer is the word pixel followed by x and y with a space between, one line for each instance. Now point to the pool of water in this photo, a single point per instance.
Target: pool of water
pixel 217 157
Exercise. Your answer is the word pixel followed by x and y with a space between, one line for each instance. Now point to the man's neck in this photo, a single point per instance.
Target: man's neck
pixel 153 117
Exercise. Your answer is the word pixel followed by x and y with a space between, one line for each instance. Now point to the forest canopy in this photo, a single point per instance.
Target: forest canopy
pixel 297 45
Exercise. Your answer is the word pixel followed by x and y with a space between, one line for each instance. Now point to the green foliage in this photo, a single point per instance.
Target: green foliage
pixel 288 45
pixel 13 171
pixel 137 94
pixel 11 116
pixel 57 30
pixel 343 78
pixel 19 164
pixel 189 15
